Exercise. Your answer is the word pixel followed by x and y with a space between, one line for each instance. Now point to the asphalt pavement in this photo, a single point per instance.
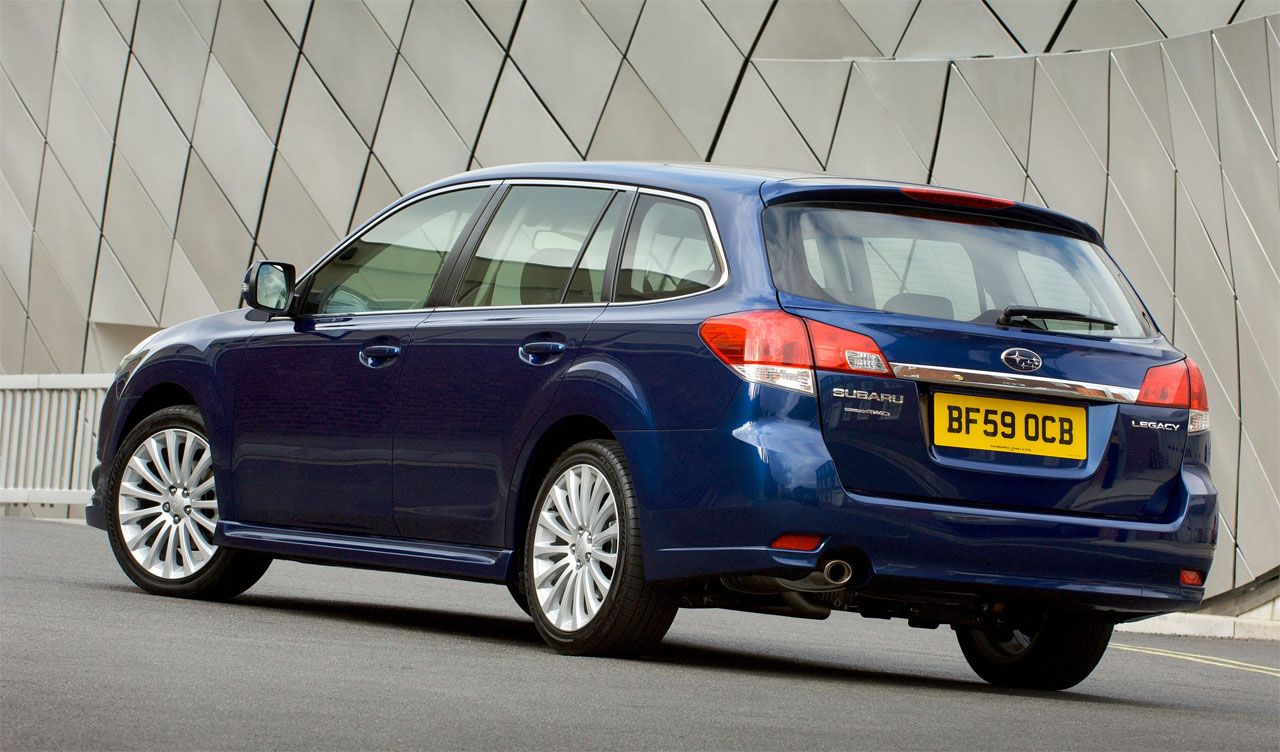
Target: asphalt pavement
pixel 322 658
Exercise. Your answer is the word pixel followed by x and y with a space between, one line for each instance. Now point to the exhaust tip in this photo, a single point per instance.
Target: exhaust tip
pixel 838 572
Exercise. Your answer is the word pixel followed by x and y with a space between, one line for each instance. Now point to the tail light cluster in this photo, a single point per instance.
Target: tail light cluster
pixel 1178 385
pixel 781 349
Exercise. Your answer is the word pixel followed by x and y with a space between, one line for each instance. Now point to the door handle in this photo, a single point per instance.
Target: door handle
pixel 378 356
pixel 541 353
pixel 542 348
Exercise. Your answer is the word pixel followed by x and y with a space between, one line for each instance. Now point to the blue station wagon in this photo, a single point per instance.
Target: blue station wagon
pixel 626 389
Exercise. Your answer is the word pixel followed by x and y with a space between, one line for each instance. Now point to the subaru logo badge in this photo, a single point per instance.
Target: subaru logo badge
pixel 1021 359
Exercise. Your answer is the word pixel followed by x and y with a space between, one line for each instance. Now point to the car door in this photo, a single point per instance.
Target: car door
pixel 315 402
pixel 482 369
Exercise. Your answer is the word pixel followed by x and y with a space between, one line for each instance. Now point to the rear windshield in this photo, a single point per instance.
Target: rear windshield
pixel 960 269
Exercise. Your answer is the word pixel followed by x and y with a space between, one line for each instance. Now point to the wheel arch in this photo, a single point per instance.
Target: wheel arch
pixel 540 454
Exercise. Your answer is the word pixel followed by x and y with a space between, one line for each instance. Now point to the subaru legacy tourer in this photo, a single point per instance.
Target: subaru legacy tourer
pixel 626 389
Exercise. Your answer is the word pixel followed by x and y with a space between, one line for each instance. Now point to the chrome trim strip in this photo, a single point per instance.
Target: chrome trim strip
pixel 1015 382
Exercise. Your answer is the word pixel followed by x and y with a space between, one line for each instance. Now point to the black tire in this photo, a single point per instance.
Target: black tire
pixel 516 588
pixel 635 614
pixel 227 574
pixel 1058 655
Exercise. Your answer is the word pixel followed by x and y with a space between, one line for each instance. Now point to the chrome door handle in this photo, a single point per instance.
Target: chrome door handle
pixel 378 356
pixel 542 348
pixel 541 353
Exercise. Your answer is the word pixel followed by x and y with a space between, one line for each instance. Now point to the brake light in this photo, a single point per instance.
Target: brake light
pixel 837 349
pixel 957 198
pixel 766 347
pixel 1178 385
pixel 1199 420
pixel 797 542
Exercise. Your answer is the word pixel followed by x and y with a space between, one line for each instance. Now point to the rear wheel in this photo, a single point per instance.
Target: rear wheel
pixel 163 510
pixel 1058 654
pixel 583 570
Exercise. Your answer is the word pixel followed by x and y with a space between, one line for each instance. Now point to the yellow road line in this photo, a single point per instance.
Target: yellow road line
pixel 1179 653
pixel 1205 659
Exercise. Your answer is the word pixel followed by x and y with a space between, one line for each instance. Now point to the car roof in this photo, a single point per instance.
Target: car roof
pixel 720 182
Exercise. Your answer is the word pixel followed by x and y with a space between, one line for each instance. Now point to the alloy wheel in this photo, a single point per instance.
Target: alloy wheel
pixel 167 505
pixel 575 547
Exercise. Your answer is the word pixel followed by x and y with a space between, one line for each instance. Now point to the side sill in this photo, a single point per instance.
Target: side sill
pixel 394 554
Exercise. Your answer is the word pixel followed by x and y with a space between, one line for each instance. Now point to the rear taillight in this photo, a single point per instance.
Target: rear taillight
pixel 1178 385
pixel 837 349
pixel 767 347
pixel 773 347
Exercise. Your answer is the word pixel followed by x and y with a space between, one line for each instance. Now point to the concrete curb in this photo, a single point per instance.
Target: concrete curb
pixel 1204 625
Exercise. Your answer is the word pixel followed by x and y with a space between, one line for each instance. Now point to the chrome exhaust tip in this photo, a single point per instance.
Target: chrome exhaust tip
pixel 837 572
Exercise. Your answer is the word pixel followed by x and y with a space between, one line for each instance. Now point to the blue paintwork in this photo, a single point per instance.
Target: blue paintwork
pixel 425 465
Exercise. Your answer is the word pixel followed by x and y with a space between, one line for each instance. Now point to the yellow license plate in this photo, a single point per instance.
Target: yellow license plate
pixel 1001 425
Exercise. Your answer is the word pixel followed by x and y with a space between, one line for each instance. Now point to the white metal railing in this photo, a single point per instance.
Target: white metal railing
pixel 48 436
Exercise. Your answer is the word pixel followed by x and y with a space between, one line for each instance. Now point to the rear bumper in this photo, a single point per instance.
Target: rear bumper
pixel 911 548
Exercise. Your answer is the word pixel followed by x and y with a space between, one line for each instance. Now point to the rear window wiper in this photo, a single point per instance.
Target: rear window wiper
pixel 1021 313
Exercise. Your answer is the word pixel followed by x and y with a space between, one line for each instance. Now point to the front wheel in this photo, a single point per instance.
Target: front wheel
pixel 163 509
pixel 583 569
pixel 1058 654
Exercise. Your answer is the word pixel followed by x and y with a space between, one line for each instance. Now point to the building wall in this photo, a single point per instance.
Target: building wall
pixel 151 151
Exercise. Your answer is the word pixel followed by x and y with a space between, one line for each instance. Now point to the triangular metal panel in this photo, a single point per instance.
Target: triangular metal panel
pixel 1191 58
pixel 1256 283
pixel 884 21
pixel 499 15
pixel 1204 291
pixel 971 153
pixel 758 133
pixel 1139 263
pixel 869 142
pixel 1244 45
pixel 1142 66
pixel 617 17
pixel 1031 23
pixel 185 294
pixel 1103 24
pixel 1031 195
pixel 811 92
pixel 1197 163
pixel 1141 172
pixel 115 300
pixel 740 19
pixel 813 30
pixel 634 126
pixel 1248 163
pixel 911 92
pixel 1067 171
pixel 1080 79
pixel 955 28
pixel 1003 87
pixel 1178 17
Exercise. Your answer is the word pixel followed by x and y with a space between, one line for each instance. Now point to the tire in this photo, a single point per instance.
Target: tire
pixel 516 588
pixel 633 614
pixel 1058 655
pixel 192 567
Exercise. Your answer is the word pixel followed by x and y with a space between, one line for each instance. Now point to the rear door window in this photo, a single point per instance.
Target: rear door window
pixel 532 245
pixel 668 252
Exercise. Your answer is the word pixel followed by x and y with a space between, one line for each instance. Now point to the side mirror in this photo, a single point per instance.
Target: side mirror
pixel 268 286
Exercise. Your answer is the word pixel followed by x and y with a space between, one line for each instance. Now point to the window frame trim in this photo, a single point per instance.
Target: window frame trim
pixel 447 280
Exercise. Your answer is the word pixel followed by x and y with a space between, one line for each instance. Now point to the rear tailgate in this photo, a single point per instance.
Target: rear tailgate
pixel 982 409
pixel 899 436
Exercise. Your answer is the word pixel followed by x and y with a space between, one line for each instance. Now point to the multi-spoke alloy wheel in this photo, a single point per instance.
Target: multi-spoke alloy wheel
pixel 167 508
pixel 162 511
pixel 582 568
pixel 575 548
